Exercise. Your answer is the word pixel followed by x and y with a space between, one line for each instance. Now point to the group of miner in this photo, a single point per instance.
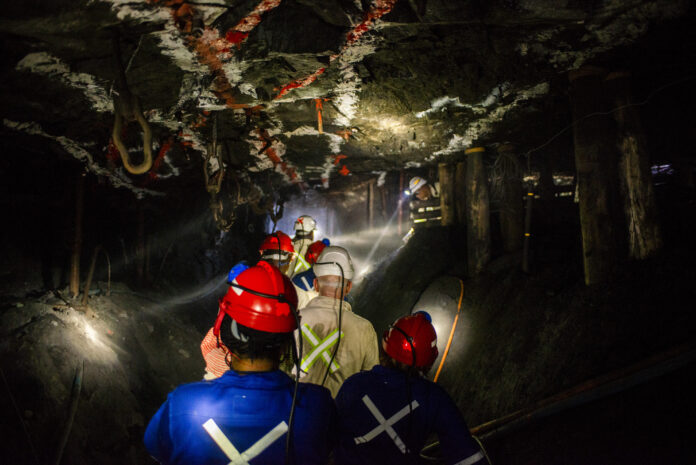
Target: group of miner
pixel 294 375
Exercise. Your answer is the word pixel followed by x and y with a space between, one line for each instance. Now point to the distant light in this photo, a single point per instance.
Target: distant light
pixel 407 192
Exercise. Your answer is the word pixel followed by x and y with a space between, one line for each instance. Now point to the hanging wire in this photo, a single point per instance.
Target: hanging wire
pixel 600 113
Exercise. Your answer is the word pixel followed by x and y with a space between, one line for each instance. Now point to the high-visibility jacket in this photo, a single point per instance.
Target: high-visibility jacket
pixel 381 421
pixel 298 263
pixel 214 422
pixel 357 349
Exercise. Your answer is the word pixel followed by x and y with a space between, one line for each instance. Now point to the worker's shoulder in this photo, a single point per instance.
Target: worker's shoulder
pixel 360 320
pixel 315 391
pixel 361 378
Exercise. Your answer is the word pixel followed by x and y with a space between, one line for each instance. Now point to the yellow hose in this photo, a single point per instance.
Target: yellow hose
pixel 120 114
pixel 451 335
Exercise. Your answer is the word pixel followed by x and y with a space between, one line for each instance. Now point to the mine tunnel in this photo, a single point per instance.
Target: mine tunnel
pixel 521 170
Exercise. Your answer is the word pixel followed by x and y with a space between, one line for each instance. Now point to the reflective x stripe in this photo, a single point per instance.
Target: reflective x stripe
pixel 301 262
pixel 471 459
pixel 385 425
pixel 232 453
pixel 307 286
pixel 319 348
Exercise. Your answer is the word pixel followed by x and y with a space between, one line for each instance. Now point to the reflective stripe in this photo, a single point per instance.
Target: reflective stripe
pixel 221 440
pixel 385 425
pixel 319 348
pixel 301 262
pixel 471 459
pixel 307 286
pixel 232 453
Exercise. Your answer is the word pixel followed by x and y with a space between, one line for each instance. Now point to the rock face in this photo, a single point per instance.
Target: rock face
pixel 301 91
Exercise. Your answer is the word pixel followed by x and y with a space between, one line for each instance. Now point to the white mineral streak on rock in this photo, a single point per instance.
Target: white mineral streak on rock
pixel 440 104
pixel 346 100
pixel 335 141
pixel 248 89
pixel 169 121
pixel 142 10
pixel 262 162
pixel 611 26
pixel 48 65
pixel 77 151
pixel 483 125
pixel 382 177
pixel 412 164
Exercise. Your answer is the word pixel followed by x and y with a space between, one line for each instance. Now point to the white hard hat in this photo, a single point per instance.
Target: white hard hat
pixel 332 260
pixel 305 223
pixel 416 183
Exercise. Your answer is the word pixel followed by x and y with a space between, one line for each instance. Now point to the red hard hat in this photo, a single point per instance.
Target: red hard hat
pixel 313 251
pixel 275 241
pixel 409 335
pixel 261 298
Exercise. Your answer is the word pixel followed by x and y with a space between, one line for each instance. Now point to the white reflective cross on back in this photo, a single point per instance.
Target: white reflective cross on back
pixel 385 425
pixel 232 453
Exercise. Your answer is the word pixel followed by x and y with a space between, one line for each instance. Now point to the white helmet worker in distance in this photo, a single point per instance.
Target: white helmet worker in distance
pixel 305 226
pixel 419 187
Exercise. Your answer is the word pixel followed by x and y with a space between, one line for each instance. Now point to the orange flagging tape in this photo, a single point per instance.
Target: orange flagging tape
pixel 454 326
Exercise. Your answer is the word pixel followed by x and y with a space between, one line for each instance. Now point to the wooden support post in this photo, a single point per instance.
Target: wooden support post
pixel 635 180
pixel 140 248
pixel 511 215
pixel 371 204
pixel 400 202
pixel 592 157
pixel 460 192
pixel 383 203
pixel 527 231
pixel 446 176
pixel 478 212
pixel 77 239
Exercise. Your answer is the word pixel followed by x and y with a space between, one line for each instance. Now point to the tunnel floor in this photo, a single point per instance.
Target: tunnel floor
pixel 650 423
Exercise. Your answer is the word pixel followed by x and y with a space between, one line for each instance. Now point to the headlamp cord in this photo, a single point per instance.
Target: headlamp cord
pixel 340 319
pixel 409 394
pixel 296 358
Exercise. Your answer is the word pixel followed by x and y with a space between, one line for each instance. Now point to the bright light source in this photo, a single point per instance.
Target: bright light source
pixel 407 192
pixel 391 124
pixel 91 333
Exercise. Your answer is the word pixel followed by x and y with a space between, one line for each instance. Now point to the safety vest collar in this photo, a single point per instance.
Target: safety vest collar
pixel 328 303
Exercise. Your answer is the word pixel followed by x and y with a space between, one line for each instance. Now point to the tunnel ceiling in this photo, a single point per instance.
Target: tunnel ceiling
pixel 396 83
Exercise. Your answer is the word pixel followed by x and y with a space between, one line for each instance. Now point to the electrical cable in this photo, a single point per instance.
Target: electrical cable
pixel 296 358
pixel 291 419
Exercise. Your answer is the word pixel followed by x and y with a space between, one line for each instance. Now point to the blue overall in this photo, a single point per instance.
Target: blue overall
pixel 379 423
pixel 242 418
pixel 305 280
